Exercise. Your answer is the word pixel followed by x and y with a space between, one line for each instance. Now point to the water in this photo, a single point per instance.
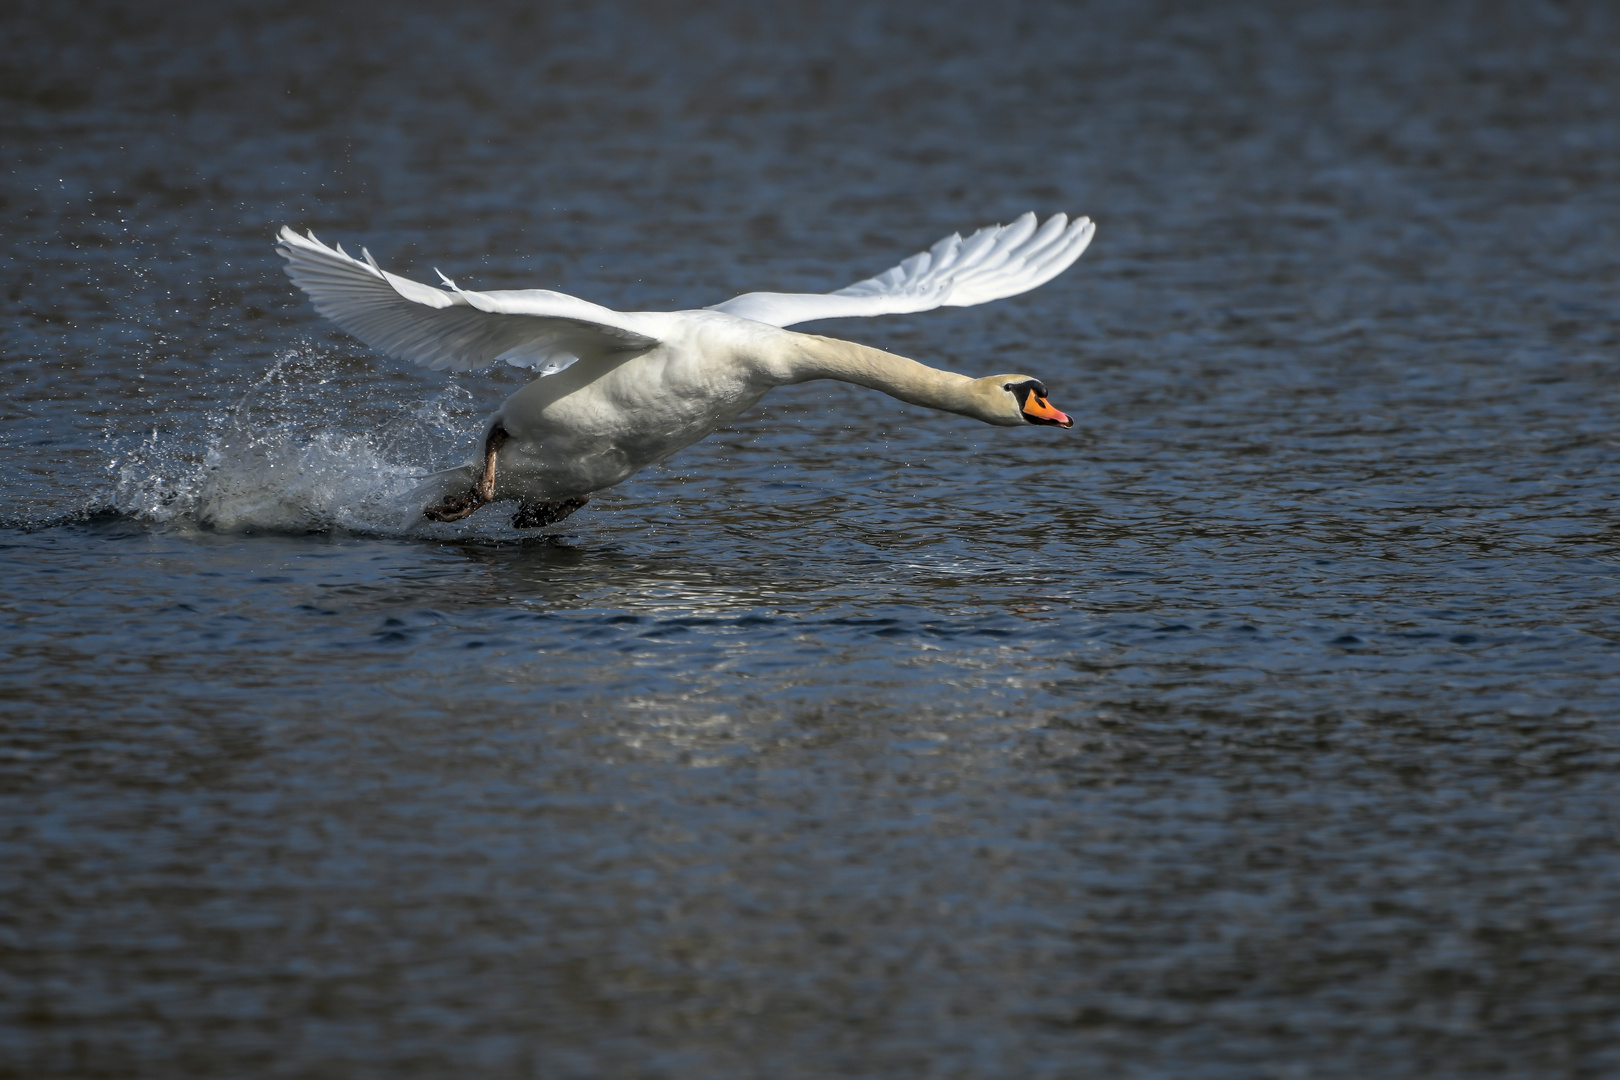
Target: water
pixel 1263 726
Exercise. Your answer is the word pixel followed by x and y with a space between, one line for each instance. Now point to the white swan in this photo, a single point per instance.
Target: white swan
pixel 623 390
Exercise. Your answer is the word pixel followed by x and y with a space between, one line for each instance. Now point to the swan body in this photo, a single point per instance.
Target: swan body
pixel 619 391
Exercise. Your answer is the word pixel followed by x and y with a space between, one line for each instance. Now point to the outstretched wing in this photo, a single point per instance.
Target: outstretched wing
pixel 996 261
pixel 458 329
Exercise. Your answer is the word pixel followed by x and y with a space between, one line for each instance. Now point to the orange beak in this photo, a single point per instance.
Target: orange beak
pixel 1038 411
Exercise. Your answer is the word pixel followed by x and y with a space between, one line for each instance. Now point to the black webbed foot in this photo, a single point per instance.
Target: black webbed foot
pixel 455 507
pixel 534 515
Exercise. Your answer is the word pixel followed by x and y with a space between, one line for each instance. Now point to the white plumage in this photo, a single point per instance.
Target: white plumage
pixel 641 385
pixel 457 329
pixel 993 263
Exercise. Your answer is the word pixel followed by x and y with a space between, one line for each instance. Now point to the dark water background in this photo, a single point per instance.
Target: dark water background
pixel 1266 725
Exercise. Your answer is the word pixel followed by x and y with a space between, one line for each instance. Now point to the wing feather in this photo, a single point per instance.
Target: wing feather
pixel 995 262
pixel 458 329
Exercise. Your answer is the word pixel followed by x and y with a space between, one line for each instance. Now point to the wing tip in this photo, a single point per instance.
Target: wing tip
pixel 304 249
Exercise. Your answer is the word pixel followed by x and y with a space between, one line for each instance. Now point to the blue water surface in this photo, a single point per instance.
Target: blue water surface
pixel 1267 724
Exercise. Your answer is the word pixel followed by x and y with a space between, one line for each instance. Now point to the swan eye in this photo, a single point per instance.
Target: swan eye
pixel 1022 390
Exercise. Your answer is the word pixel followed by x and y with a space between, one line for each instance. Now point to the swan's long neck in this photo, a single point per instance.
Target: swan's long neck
pixel 918 384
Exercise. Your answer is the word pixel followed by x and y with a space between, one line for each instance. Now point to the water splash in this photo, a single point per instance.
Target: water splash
pixel 303 450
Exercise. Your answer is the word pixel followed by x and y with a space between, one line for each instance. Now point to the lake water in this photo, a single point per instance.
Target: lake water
pixel 1265 725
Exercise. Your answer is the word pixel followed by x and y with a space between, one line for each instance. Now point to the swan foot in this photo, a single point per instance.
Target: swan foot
pixel 534 515
pixel 456 507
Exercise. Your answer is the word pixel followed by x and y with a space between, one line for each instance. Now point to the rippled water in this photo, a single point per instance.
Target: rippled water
pixel 1266 725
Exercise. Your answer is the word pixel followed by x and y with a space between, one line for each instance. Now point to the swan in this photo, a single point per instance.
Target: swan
pixel 618 391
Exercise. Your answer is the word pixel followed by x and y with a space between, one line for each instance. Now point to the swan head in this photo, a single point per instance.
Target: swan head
pixel 1010 400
